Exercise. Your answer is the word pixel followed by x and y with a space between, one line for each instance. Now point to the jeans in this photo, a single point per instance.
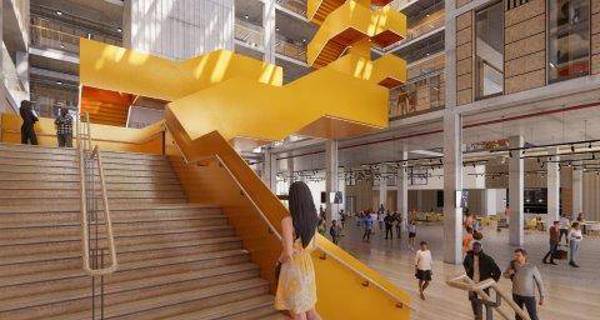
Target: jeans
pixel 574 248
pixel 530 306
pixel 367 234
pixel 552 252
pixel 477 304
pixel 564 232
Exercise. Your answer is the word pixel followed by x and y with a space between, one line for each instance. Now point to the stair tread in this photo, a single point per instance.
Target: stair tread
pixel 78 272
pixel 115 207
pixel 112 287
pixel 167 300
pixel 229 309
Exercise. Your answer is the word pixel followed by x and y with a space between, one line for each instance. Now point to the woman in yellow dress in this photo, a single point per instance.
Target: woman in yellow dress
pixel 296 289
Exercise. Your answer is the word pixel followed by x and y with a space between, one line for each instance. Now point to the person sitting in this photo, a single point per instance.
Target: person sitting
pixel 29 119
pixel 64 128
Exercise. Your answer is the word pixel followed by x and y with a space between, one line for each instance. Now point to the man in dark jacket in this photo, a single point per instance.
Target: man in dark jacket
pixel 29 120
pixel 479 267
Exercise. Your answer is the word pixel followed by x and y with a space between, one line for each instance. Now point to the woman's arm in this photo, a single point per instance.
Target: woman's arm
pixel 287 228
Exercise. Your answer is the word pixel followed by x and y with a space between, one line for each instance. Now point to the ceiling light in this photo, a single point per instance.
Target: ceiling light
pixel 510 154
pixel 246 17
pixel 60 83
pixel 572 148
pixel 304 40
pixel 276 28
pixel 58 13
pixel 590 145
pixel 62 45
pixel 119 29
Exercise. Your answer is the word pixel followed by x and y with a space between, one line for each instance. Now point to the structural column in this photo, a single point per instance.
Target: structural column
pixel 453 187
pixel 290 170
pixel 270 33
pixel 22 66
pixel 516 186
pixel 553 187
pixel 383 187
pixel 331 177
pixel 577 192
pixel 402 184
pixel 489 202
pixel 270 171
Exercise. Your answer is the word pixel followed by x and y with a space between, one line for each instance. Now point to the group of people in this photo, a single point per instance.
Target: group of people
pixel 388 221
pixel 63 124
pixel 573 237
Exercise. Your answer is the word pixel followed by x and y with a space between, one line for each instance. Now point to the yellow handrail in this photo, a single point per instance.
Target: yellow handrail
pixel 84 142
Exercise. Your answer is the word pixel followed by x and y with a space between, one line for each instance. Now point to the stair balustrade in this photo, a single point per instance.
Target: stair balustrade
pixel 91 170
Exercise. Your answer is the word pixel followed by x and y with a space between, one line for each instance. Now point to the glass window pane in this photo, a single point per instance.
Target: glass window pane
pixel 489 50
pixel 568 39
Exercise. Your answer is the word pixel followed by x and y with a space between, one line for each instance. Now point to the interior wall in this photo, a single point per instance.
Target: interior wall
pixel 591 196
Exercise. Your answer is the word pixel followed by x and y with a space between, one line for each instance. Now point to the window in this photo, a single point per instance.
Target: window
pixel 568 39
pixel 489 50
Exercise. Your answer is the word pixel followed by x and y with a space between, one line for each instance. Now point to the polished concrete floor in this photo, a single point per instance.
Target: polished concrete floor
pixel 572 294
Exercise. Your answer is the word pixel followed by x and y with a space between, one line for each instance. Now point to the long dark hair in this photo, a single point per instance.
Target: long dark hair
pixel 303 211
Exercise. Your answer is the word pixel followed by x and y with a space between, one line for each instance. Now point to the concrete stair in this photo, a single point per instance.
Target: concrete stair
pixel 176 260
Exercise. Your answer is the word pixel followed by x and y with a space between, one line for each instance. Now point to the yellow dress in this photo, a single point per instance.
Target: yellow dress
pixel 296 289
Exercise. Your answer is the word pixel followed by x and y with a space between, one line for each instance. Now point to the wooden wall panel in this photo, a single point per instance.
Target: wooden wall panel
pixel 525 47
pixel 460 3
pixel 595 30
pixel 591 196
pixel 464 58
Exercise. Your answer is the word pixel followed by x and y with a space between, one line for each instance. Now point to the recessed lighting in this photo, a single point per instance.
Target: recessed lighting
pixel 276 28
pixel 119 29
pixel 60 83
pixel 58 13
pixel 246 17
pixel 428 15
pixel 304 40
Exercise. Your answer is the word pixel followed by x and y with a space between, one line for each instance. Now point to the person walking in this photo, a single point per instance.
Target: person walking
pixel 398 222
pixel 574 238
pixel 296 287
pixel 334 232
pixel 368 224
pixel 525 279
pixel 389 225
pixel 423 268
pixel 64 129
pixel 564 228
pixel 480 267
pixel 29 119
pixel 412 234
pixel 554 240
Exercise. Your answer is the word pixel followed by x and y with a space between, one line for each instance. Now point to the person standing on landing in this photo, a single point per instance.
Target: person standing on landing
pixel 29 119
pixel 423 268
pixel 296 288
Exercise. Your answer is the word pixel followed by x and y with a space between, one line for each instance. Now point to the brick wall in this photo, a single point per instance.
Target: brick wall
pixel 595 30
pixel 464 58
pixel 525 47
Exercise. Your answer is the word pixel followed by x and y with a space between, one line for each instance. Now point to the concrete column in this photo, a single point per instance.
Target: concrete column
pixel 516 187
pixel 383 188
pixel 402 194
pixel 331 177
pixel 270 171
pixel 270 35
pixel 453 185
pixel 290 169
pixel 22 67
pixel 489 202
pixel 577 192
pixel 553 181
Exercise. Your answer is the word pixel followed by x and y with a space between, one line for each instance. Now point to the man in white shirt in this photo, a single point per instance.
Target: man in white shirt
pixel 564 224
pixel 423 268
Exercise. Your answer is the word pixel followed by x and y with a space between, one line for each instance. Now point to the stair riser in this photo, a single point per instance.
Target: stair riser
pixel 121 292
pixel 74 186
pixel 54 202
pixel 106 157
pixel 74 164
pixel 5 177
pixel 74 193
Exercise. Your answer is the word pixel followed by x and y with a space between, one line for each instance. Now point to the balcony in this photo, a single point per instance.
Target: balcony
pixel 249 34
pixel 47 34
pixel 296 6
pixel 424 91
pixel 425 25
pixel 290 48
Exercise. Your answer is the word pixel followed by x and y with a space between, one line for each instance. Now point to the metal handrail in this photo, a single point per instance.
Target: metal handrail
pixel 278 235
pixel 84 142
pixel 463 282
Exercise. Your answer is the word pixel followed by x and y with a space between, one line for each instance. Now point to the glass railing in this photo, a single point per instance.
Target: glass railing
pixel 426 25
pixel 248 33
pixel 422 95
pixel 289 48
pixel 46 34
pixel 297 6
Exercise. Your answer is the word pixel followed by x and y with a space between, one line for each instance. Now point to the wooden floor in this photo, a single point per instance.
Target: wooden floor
pixel 572 294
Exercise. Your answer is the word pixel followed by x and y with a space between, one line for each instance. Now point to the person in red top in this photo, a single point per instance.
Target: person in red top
pixel 554 234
